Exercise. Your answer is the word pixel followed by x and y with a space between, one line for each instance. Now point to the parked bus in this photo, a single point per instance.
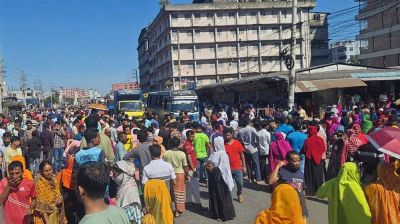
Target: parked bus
pixel 174 102
pixel 130 102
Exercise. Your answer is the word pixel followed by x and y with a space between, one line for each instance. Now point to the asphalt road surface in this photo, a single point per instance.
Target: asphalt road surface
pixel 256 198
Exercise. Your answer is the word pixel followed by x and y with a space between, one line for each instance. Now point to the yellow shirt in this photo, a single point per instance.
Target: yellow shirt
pixel 10 153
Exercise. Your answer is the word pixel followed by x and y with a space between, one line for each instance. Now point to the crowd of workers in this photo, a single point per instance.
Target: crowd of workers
pixel 84 166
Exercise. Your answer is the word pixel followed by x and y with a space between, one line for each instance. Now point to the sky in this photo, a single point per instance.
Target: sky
pixel 92 43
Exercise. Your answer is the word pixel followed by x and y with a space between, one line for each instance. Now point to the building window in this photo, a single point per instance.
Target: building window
pixel 274 14
pixel 284 14
pixel 211 32
pixel 254 31
pixel 187 16
pixel 174 16
pixel 363 24
pixel 220 48
pixel 241 31
pixel 351 49
pixel 231 15
pixel 263 31
pixel 241 14
pixel 198 66
pixel 220 14
pixel 197 15
pixel 253 14
pixel 210 15
pixel 264 14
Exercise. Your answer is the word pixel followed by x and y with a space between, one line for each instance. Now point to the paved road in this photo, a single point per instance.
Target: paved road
pixel 256 198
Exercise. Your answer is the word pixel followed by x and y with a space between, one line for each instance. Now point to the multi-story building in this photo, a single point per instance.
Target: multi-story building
pixel 212 42
pixel 319 38
pixel 379 32
pixel 343 51
pixel 125 86
pixel 73 93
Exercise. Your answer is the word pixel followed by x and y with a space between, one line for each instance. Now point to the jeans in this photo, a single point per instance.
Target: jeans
pixel 34 165
pixel 58 159
pixel 253 166
pixel 302 162
pixel 237 175
pixel 201 170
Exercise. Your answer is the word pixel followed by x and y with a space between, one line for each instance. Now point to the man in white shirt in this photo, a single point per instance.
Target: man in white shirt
pixel 158 168
pixel 263 148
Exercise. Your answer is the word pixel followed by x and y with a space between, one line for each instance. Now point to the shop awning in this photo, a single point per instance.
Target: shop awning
pixel 317 85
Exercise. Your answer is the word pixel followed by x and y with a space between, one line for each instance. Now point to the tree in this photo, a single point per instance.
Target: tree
pixel 353 60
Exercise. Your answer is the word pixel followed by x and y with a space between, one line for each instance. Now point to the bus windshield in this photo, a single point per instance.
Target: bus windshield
pixel 130 106
pixel 184 105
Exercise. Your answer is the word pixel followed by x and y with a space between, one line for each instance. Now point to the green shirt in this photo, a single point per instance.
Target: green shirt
pixel 200 142
pixel 177 159
pixel 112 215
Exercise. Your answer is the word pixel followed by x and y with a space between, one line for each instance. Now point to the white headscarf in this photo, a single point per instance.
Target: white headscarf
pixel 127 188
pixel 221 160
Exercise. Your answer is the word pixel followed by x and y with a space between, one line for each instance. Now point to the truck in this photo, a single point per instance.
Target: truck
pixel 130 102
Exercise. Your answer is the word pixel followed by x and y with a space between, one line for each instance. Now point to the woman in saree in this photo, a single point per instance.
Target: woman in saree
pixel 158 203
pixel 285 207
pixel 49 202
pixel 220 183
pixel 350 147
pixel 383 196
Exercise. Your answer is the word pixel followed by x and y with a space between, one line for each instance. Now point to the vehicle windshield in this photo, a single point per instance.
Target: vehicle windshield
pixel 130 106
pixel 184 105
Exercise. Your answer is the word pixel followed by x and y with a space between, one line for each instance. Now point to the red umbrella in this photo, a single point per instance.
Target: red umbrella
pixel 386 140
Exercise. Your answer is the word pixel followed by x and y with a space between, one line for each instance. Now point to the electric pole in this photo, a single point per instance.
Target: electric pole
pixel 136 77
pixel 22 85
pixel 292 73
pixel 51 94
pixel 2 76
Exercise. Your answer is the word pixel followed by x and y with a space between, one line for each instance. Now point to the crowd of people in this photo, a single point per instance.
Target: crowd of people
pixel 86 166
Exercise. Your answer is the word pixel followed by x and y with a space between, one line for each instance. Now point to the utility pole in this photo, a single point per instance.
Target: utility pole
pixel 292 73
pixel 179 64
pixel 40 88
pixel 22 85
pixel 136 76
pixel 2 76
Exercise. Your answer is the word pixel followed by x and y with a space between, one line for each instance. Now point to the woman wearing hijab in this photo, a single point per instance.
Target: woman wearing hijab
pixel 314 149
pixel 361 136
pixel 333 127
pixel 220 183
pixel 366 125
pixel 347 202
pixel 278 150
pixel 285 207
pixel 383 196
pixel 127 194
pixel 350 147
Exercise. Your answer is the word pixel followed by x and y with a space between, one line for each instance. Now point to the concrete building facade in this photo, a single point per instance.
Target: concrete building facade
pixel 379 32
pixel 124 86
pixel 213 42
pixel 342 51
